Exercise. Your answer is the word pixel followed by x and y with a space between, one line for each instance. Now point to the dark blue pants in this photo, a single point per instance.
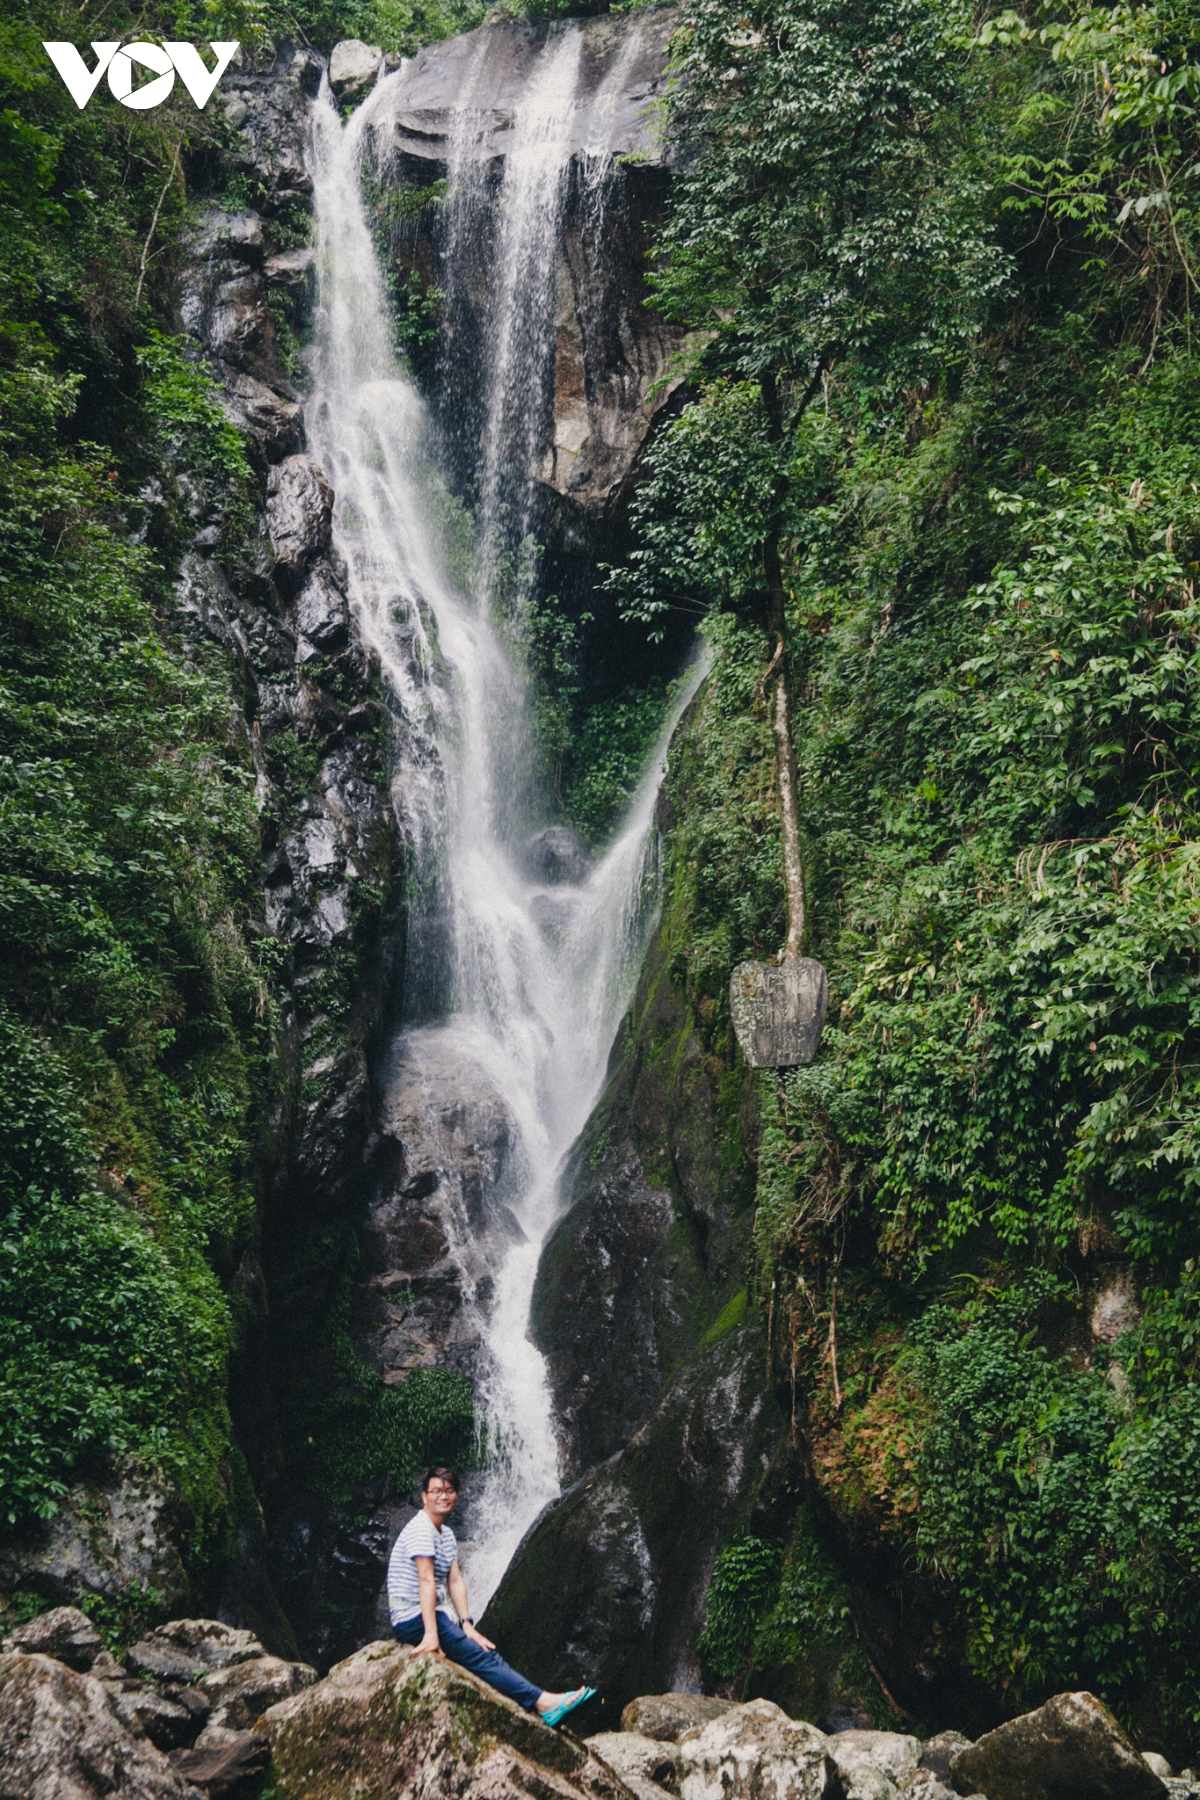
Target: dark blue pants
pixel 485 1663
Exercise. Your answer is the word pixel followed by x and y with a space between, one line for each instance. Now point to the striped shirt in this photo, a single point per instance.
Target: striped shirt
pixel 420 1537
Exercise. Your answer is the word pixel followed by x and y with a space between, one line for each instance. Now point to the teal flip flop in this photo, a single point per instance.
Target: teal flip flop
pixel 557 1714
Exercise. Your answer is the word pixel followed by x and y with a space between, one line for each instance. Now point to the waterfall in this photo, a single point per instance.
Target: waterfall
pixel 531 203
pixel 538 978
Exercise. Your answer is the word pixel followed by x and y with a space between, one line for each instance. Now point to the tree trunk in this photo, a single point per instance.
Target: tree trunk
pixel 785 757
pixel 789 807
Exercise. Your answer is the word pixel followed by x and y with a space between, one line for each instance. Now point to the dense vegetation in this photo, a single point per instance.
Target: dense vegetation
pixel 941 269
pixel 134 1005
pixel 140 990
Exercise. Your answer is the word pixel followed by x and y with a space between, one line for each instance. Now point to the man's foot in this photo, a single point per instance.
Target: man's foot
pixel 555 1707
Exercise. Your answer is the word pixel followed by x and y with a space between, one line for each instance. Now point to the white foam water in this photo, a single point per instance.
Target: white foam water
pixel 540 977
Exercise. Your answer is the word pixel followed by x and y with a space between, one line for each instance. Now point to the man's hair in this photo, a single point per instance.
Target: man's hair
pixel 441 1473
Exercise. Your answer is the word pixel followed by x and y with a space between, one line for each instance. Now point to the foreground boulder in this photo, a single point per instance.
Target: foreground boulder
pixel 62 1739
pixel 386 1723
pixel 234 1767
pixel 755 1752
pixel 647 1766
pixel 1070 1749
pixel 668 1716
pixel 64 1633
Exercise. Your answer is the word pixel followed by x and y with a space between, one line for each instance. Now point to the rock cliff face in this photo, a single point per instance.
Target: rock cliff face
pixel 268 603
pixel 609 349
pixel 609 1586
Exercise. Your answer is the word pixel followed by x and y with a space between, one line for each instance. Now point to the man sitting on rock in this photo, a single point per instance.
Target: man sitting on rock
pixel 424 1579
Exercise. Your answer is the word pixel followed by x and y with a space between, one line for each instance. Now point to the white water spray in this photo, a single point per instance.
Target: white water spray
pixel 531 202
pixel 541 977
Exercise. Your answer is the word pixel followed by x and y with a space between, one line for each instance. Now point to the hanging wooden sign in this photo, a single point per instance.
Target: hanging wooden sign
pixel 779 1011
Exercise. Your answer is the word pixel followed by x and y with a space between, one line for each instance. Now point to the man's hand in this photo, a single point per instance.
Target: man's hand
pixel 477 1637
pixel 428 1644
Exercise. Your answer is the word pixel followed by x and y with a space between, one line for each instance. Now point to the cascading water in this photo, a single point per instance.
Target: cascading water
pixel 539 978
pixel 531 203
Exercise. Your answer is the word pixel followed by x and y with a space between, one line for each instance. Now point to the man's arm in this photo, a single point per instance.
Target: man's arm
pixel 427 1581
pixel 458 1593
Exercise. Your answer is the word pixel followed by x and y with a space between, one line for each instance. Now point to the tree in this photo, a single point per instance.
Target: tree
pixel 825 207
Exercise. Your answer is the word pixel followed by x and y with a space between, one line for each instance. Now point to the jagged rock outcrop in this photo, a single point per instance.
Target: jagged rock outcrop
pixel 610 350
pixel 198 1709
pixel 176 1717
pixel 105 1539
pixel 61 1738
pixel 1070 1749
pixel 437 1224
pixel 386 1722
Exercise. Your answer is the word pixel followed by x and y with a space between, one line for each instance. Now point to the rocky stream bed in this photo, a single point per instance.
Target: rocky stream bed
pixel 199 1708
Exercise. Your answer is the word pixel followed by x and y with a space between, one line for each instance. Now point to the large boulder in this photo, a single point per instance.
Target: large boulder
pixel 240 1693
pixel 61 1738
pixel 609 1587
pixel 1070 1749
pixel 755 1752
pixel 211 1642
pixel 386 1723
pixel 649 1767
pixel 557 854
pixel 872 1764
pixel 667 1716
pixel 353 67
pixel 64 1633
pixel 103 1540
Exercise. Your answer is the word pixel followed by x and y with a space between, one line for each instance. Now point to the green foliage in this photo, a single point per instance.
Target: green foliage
pixel 395 25
pixel 975 459
pixel 728 1319
pixel 779 1622
pixel 134 1013
pixel 360 1432
pixel 605 756
pixel 108 1346
pixel 745 1580
pixel 1055 1503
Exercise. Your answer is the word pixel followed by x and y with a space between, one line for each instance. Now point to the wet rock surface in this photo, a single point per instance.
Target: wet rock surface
pixel 385 1722
pixel 558 854
pixel 438 1223
pixel 610 350
pixel 317 726
pixel 650 1246
pixel 610 1584
pixel 1070 1749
